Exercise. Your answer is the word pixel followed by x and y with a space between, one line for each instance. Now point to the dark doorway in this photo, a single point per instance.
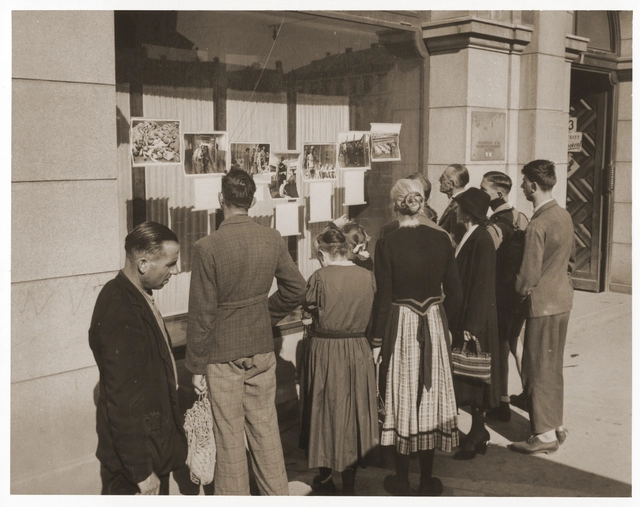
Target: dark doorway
pixel 589 174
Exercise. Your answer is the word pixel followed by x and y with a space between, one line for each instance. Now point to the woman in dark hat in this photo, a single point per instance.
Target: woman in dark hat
pixel 476 261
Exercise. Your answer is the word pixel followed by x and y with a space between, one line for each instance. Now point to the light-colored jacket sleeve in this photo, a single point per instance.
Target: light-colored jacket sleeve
pixel 203 302
pixel 531 267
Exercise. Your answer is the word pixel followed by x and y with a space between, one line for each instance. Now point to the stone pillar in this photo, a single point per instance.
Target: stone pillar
pixel 474 68
pixel 66 240
pixel 545 96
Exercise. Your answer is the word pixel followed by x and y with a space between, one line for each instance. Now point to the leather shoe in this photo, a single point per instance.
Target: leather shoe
pixel 430 487
pixel 397 487
pixel 534 446
pixel 519 401
pixel 561 435
pixel 500 413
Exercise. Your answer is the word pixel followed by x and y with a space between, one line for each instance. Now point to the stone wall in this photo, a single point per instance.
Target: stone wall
pixel 65 240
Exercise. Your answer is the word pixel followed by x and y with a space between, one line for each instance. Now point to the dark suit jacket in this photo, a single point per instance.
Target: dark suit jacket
pixel 544 276
pixel 138 422
pixel 230 313
pixel 449 222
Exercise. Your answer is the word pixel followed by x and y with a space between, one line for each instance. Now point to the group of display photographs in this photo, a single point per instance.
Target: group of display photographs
pixel 159 142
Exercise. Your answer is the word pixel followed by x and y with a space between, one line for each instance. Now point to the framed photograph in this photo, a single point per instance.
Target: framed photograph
pixel 284 180
pixel 354 150
pixel 319 161
pixel 155 142
pixel 385 142
pixel 250 157
pixel 205 152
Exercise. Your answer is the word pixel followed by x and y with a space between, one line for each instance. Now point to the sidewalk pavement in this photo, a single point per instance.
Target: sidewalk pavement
pixel 595 460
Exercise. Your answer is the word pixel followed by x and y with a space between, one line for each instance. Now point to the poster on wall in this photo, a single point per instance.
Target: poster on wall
pixel 205 193
pixel 385 142
pixel 487 135
pixel 283 182
pixel 354 150
pixel 155 142
pixel 252 158
pixel 319 161
pixel 205 152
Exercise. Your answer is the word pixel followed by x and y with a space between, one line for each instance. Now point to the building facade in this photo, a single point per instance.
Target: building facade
pixel 489 89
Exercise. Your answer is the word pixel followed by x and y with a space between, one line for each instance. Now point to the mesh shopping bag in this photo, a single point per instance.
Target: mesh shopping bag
pixel 198 425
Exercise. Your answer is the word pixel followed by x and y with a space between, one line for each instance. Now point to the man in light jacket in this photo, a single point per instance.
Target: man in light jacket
pixel 544 283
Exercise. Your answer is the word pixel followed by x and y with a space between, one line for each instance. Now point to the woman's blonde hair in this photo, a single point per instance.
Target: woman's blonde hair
pixel 407 196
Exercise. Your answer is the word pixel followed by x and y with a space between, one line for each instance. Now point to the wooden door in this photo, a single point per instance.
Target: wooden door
pixel 590 104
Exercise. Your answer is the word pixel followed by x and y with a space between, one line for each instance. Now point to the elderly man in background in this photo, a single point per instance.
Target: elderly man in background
pixel 140 435
pixel 453 181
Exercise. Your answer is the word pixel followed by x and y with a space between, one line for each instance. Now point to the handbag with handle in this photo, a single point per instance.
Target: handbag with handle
pixel 472 365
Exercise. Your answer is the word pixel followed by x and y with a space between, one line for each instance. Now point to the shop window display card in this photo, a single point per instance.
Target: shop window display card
pixel 155 142
pixel 320 194
pixel 205 152
pixel 319 161
pixel 253 158
pixel 353 183
pixel 287 222
pixel 354 150
pixel 205 192
pixel 385 142
pixel 283 183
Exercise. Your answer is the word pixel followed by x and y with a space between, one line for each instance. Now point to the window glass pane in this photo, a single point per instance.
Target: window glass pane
pixel 273 81
pixel 595 26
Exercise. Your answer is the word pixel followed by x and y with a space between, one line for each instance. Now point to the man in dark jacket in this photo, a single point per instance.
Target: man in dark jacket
pixel 453 181
pixel 509 246
pixel 140 435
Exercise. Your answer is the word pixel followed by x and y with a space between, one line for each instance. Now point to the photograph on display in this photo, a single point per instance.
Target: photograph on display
pixel 205 153
pixel 250 157
pixel 354 150
pixel 319 161
pixel 284 175
pixel 385 142
pixel 155 142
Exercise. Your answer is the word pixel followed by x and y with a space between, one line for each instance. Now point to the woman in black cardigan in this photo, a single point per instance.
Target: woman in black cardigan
pixel 476 261
pixel 414 264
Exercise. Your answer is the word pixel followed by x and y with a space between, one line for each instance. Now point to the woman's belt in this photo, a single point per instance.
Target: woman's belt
pixel 338 334
pixel 242 303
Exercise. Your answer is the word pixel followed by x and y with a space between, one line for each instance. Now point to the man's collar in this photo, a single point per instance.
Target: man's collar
pixel 503 207
pixel 453 194
pixel 235 219
pixel 539 206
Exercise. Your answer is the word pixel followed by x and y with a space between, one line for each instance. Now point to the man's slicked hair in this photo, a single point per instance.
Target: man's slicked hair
pixel 542 173
pixel 238 188
pixel 426 184
pixel 499 179
pixel 148 239
pixel 460 175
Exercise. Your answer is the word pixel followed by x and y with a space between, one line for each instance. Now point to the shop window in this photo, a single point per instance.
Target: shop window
pixel 290 79
pixel 596 26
